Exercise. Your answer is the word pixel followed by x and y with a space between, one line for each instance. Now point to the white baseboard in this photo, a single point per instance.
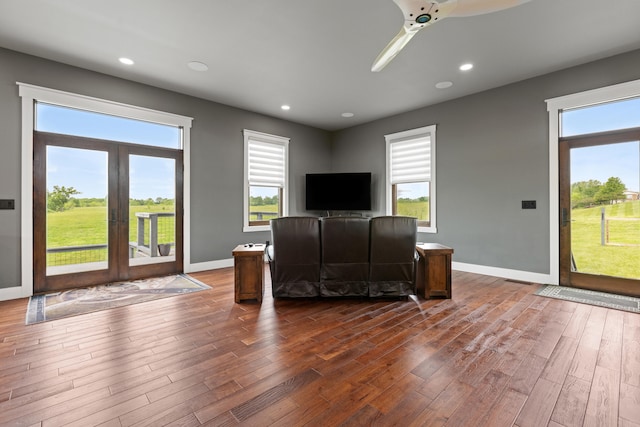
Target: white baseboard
pixel 209 265
pixel 16 292
pixel 524 276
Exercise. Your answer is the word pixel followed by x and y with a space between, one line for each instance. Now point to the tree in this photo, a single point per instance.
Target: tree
pixel 58 199
pixel 612 190
pixel 583 193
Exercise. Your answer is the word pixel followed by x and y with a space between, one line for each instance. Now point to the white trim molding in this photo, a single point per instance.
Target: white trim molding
pixel 15 292
pixel 30 94
pixel 555 106
pixel 265 139
pixel 408 135
pixel 210 265
pixel 505 273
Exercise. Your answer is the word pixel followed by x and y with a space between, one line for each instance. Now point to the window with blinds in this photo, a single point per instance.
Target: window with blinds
pixel 266 176
pixel 411 175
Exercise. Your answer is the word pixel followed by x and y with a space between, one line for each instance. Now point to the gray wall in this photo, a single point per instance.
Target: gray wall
pixel 492 153
pixel 216 160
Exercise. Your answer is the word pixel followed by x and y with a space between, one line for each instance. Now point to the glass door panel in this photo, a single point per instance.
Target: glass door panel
pixel 104 211
pixel 605 210
pixel 152 210
pixel 77 212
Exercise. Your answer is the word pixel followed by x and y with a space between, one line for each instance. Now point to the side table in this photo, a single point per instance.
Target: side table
pixel 433 277
pixel 248 265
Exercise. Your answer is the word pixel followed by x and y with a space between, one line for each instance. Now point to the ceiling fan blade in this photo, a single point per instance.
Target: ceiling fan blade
pixel 480 7
pixel 417 14
pixel 393 48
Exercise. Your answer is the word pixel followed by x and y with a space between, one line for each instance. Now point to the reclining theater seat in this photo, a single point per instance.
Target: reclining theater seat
pixel 345 256
pixel 393 256
pixel 295 267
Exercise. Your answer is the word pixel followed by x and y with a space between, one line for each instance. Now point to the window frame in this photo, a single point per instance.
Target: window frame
pixel 391 193
pixel 283 193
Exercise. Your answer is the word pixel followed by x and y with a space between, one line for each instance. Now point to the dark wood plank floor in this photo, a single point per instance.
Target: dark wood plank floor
pixel 494 355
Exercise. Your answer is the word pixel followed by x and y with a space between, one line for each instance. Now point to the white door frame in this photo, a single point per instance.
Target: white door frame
pixel 554 107
pixel 30 94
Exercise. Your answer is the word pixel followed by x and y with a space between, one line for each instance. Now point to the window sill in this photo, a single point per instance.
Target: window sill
pixel 432 230
pixel 252 228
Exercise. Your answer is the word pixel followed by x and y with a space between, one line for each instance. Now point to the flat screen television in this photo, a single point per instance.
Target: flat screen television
pixel 338 191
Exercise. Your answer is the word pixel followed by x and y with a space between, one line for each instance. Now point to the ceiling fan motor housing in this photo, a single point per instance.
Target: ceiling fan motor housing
pixel 420 13
pixel 423 19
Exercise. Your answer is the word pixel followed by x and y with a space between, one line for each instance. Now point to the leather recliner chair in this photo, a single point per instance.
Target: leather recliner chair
pixel 393 256
pixel 345 256
pixel 295 262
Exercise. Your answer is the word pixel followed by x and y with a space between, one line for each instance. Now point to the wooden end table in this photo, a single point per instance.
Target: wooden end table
pixel 248 263
pixel 433 277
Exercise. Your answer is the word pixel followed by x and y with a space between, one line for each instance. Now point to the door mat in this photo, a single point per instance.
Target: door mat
pixel 74 302
pixel 602 299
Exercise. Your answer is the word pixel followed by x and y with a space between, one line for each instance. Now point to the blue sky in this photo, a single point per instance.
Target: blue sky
pixel 86 170
pixel 602 162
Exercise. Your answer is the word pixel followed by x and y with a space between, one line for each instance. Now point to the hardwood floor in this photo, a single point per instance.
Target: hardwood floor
pixel 494 355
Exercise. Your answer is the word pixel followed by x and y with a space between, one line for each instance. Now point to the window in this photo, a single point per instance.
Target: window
pixel 411 176
pixel 266 179
pixel 602 117
pixel 90 124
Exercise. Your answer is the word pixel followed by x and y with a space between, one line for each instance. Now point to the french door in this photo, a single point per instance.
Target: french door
pixel 104 211
pixel 600 218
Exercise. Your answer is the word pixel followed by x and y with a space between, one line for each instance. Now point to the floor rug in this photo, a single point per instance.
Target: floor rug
pixel 602 299
pixel 58 305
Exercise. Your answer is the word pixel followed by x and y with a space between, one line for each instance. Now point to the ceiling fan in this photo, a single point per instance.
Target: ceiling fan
pixel 419 14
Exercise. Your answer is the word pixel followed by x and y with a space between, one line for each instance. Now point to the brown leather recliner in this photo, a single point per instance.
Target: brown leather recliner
pixel 393 256
pixel 295 262
pixel 345 256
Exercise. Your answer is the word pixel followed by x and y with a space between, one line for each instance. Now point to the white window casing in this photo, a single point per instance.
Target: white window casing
pixel 266 164
pixel 411 158
pixel 30 94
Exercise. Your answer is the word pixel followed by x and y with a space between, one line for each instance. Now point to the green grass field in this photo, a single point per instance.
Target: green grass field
pixel 611 260
pixel 86 226
pixel 406 208
pixel 263 208
pixel 415 209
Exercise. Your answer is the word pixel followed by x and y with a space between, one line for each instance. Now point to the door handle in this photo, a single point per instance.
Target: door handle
pixel 113 216
pixel 565 217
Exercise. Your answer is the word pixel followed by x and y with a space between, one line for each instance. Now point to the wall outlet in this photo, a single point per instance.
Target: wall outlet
pixel 7 204
pixel 528 204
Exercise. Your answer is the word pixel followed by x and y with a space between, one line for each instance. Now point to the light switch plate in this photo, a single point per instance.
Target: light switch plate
pixel 7 204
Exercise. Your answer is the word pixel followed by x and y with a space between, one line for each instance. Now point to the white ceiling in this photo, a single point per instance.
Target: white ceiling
pixel 316 55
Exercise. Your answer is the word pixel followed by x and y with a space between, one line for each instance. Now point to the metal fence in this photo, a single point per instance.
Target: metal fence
pixel 68 255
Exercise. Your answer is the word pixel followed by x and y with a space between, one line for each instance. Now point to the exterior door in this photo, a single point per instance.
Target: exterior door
pixel 104 211
pixel 600 218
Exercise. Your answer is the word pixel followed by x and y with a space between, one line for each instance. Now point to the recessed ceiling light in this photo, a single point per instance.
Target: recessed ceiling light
pixel 286 107
pixel 126 61
pixel 466 67
pixel 443 85
pixel 347 115
pixel 197 66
